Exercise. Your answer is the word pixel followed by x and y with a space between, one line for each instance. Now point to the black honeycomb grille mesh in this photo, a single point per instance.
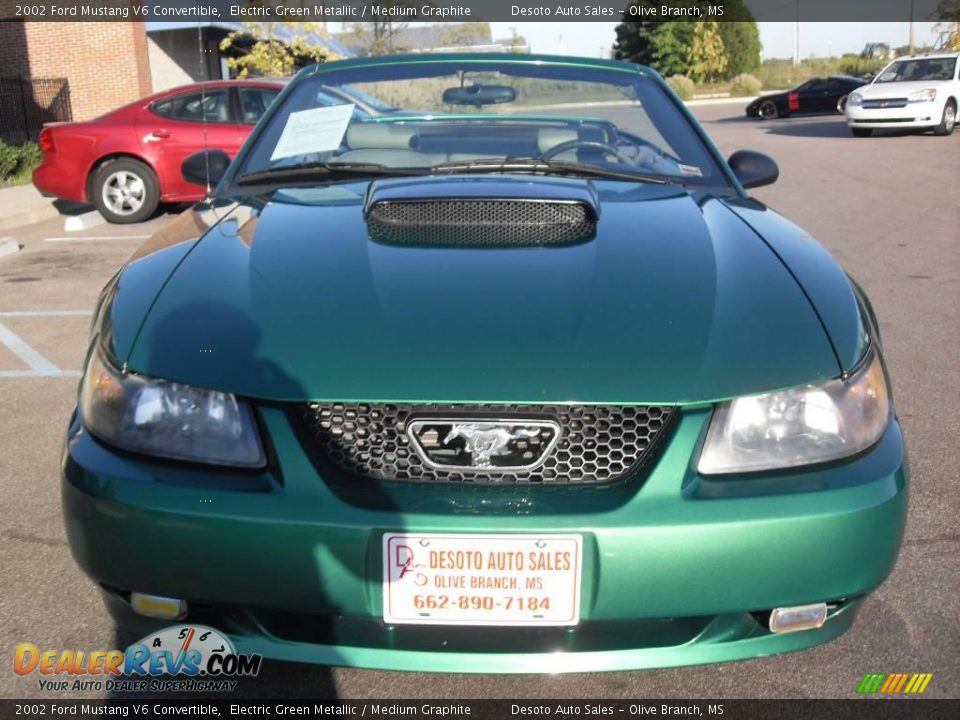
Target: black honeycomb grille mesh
pixel 598 443
pixel 488 223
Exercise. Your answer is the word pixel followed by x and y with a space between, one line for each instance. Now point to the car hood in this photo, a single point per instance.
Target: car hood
pixel 896 89
pixel 756 102
pixel 675 299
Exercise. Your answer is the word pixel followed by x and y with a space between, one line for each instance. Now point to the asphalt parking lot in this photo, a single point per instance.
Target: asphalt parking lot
pixel 887 207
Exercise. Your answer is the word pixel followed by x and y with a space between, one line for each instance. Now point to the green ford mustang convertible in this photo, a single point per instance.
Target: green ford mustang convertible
pixel 501 370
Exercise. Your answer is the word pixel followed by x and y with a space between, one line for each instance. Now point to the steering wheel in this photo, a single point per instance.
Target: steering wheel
pixel 586 145
pixel 640 146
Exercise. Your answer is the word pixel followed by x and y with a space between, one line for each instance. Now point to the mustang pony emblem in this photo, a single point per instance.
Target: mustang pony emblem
pixel 497 445
pixel 483 444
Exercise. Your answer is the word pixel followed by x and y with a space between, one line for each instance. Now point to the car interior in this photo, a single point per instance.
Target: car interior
pixel 411 143
pixel 253 104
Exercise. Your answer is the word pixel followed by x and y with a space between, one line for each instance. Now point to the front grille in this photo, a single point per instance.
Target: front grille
pixel 883 104
pixel 874 121
pixel 487 223
pixel 596 444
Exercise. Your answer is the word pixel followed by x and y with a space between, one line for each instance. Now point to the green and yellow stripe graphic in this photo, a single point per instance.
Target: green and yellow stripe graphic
pixel 892 683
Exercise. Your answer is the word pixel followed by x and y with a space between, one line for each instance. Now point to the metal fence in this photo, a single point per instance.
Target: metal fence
pixel 27 103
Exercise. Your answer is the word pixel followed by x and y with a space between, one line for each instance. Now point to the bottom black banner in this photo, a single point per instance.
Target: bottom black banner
pixel 876 709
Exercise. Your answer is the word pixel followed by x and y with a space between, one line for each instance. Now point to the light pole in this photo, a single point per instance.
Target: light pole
pixel 911 27
pixel 796 33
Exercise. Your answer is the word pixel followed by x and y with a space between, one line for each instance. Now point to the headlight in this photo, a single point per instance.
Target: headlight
pixel 855 100
pixel 928 95
pixel 167 419
pixel 800 426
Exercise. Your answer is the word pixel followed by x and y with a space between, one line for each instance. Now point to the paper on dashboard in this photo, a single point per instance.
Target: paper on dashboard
pixel 313 131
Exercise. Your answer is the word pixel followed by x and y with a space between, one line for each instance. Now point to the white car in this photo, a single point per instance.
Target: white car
pixel 919 91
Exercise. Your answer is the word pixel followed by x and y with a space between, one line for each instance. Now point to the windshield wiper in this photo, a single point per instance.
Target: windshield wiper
pixel 322 171
pixel 549 167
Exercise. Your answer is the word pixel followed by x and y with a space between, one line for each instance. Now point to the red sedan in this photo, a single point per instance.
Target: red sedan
pixel 128 161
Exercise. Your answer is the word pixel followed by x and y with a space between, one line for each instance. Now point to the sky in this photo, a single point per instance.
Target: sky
pixel 817 39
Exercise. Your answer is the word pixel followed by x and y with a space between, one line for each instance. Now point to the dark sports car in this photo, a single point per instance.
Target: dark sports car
pixel 817 95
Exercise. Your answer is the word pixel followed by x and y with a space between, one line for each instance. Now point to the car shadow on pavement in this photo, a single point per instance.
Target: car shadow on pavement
pixel 739 119
pixel 69 207
pixel 818 129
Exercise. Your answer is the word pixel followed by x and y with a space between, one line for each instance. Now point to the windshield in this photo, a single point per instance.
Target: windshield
pixel 921 69
pixel 441 116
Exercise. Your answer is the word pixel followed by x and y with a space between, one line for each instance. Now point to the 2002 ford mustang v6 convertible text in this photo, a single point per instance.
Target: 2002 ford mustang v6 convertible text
pixel 501 383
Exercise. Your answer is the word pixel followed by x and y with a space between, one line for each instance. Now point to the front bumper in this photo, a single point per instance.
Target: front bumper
pixel 912 115
pixel 674 565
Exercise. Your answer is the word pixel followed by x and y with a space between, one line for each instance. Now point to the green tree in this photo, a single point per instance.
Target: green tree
pixel 947 16
pixel 741 39
pixel 705 56
pixel 517 42
pixel 646 41
pixel 665 44
pixel 671 47
pixel 378 37
pixel 258 50
pixel 454 34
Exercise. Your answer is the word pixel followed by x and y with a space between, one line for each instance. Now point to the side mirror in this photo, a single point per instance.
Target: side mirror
pixel 206 166
pixel 753 169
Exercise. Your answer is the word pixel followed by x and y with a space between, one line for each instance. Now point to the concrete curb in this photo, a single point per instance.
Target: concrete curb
pixel 85 221
pixel 719 100
pixel 8 246
pixel 696 100
pixel 28 217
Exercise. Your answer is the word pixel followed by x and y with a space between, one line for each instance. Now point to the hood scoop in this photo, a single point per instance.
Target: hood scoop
pixel 481 212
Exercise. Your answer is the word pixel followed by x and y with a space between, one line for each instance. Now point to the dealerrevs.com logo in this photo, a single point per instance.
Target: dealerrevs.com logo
pixel 184 658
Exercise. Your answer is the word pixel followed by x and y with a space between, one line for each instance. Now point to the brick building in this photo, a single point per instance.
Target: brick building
pixel 105 63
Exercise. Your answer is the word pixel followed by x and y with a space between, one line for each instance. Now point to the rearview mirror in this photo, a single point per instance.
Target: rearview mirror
pixel 478 95
pixel 205 167
pixel 753 169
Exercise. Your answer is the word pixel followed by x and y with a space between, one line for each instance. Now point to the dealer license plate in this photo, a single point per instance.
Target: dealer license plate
pixel 438 579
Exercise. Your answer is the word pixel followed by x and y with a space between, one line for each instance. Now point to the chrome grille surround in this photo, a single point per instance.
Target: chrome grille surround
pixel 884 103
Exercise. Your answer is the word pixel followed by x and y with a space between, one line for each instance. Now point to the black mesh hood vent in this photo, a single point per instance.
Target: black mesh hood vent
pixel 456 222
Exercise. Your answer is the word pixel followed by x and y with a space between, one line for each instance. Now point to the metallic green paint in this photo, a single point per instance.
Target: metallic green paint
pixel 681 298
pixel 822 279
pixel 658 553
pixel 721 639
pixel 130 295
pixel 676 300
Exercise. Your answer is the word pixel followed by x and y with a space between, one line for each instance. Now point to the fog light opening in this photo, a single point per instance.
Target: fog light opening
pixel 798 617
pixel 157 606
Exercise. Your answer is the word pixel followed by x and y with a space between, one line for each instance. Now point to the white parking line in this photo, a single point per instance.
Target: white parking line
pixel 39 365
pixel 96 237
pixel 42 313
pixel 31 373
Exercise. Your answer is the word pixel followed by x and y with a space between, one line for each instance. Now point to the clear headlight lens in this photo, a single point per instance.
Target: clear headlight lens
pixel 855 99
pixel 928 95
pixel 800 426
pixel 167 419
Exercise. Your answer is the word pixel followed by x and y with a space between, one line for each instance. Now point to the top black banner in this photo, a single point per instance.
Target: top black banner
pixel 351 11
